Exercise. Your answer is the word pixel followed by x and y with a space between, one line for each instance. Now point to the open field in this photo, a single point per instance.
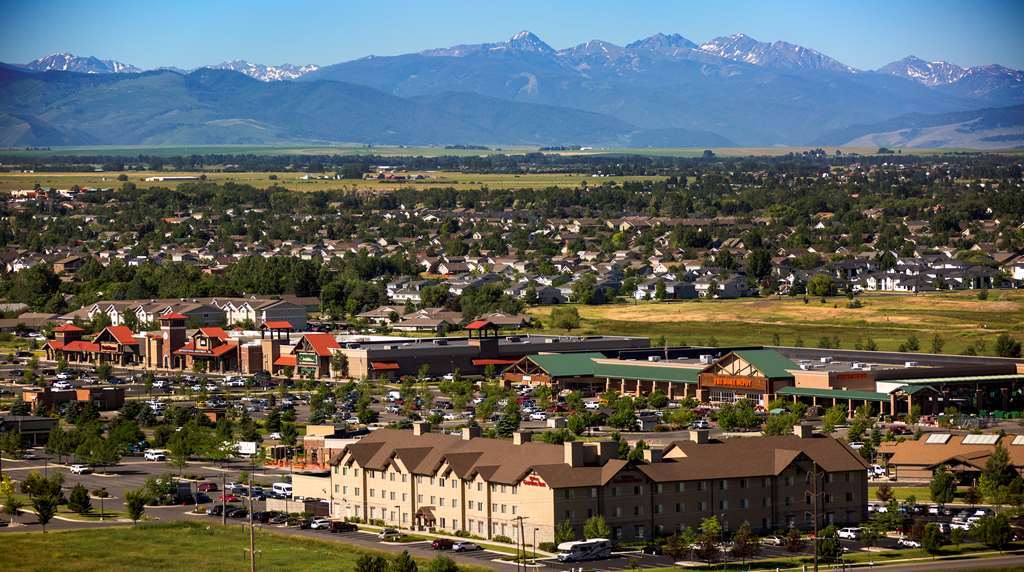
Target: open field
pixel 184 547
pixel 959 318
pixel 294 181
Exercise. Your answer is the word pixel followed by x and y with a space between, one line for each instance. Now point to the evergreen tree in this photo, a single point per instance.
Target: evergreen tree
pixel 78 500
pixel 510 419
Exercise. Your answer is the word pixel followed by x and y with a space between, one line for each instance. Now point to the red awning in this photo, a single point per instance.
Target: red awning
pixel 479 325
pixel 494 361
pixel 285 361
pixel 383 365
pixel 278 325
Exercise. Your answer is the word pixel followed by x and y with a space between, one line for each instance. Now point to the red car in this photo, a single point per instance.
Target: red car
pixel 441 544
pixel 227 498
pixel 207 487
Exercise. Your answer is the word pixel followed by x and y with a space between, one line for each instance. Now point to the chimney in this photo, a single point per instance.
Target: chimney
pixel 699 436
pixel 803 430
pixel 420 428
pixel 470 432
pixel 606 451
pixel 573 453
pixel 520 437
pixel 652 455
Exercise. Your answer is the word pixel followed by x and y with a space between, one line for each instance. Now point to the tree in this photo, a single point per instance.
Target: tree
pixel 707 548
pixel 679 544
pixel 778 425
pixel 567 318
pixel 564 532
pixel 510 419
pixel 45 507
pixel 997 476
pixel 794 542
pixel 98 452
pixel 829 547
pixel 135 501
pixel 745 546
pixel 339 366
pixel 1007 346
pixel 884 492
pixel 596 527
pixel 12 506
pixel 911 345
pixel 104 371
pixel 972 495
pixel 78 500
pixel 943 486
pixel 993 531
pixel 931 539
pixel 937 344
pixel 821 285
pixel 834 416
pixel 20 407
pixel 289 434
pixel 402 563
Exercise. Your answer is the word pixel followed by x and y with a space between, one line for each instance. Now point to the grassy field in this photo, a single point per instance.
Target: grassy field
pixel 177 547
pixel 294 181
pixel 889 319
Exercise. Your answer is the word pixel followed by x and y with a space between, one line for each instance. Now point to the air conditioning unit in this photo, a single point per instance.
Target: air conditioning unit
pixel 653 358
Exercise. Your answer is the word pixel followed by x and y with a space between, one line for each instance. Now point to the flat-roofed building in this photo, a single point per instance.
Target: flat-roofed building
pixel 425 480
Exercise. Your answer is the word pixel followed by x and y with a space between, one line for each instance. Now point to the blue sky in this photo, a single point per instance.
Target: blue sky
pixel 190 33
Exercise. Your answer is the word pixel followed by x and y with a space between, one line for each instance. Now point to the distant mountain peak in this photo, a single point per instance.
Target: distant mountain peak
pixel 921 71
pixel 267 73
pixel 662 43
pixel 526 41
pixel 782 55
pixel 66 61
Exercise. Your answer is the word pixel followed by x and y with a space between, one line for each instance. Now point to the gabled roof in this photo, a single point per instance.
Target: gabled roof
pixel 121 334
pixel 277 325
pixel 769 362
pixel 174 316
pixel 321 343
pixel 214 332
pixel 566 365
pixel 68 328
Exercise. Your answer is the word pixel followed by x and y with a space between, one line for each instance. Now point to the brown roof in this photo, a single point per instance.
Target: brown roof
pixel 953 451
pixel 751 457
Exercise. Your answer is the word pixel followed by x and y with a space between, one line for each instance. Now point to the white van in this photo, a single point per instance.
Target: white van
pixel 282 489
pixel 579 550
pixel 155 454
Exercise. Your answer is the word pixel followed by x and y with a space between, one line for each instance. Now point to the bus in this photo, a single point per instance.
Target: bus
pixel 579 550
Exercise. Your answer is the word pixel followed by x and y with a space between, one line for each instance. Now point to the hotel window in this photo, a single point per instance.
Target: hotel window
pixel 432 497
pixel 658 509
pixel 637 492
pixel 618 511
pixel 479 486
pixel 567 494
pixel 744 503
pixel 494 507
pixel 336 487
pixel 441 482
pixel 355 472
pixel 615 491
pixel 701 485
pixel 502 509
pixel 702 506
pixel 766 502
pixel 515 488
pixel 568 515
pixel 765 483
pixel 723 504
pixel 590 512
pixel 593 492
pixel 392 495
pixel 392 476
pixel 344 471
pixel 743 483
pixel 441 501
pixel 502 488
pixel 789 480
pixel 419 499
pixel 403 497
pixel 679 507
pixel 680 487
pixel 723 485
pixel 659 488
pixel 513 509
pixel 847 477
pixel 403 477
pixel 371 493
pixel 849 497
pixel 807 499
pixel 789 501
pixel 637 511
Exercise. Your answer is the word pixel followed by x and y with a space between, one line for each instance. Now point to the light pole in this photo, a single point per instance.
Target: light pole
pixel 535 545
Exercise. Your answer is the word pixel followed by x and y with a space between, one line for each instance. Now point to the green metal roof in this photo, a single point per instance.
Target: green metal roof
pixel 567 365
pixel 634 370
pixel 769 362
pixel 836 393
pixel 963 379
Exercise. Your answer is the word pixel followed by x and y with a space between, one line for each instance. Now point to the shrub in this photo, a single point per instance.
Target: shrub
pixel 502 538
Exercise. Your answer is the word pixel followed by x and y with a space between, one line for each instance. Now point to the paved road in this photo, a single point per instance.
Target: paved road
pixel 1012 561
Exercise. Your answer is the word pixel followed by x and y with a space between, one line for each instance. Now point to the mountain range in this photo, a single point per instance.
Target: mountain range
pixel 663 90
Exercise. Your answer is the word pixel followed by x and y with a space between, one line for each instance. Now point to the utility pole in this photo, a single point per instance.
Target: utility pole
pixel 252 531
pixel 814 493
pixel 223 500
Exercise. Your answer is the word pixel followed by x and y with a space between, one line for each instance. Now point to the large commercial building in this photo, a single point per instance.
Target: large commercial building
pixel 892 383
pixel 491 487
pixel 964 455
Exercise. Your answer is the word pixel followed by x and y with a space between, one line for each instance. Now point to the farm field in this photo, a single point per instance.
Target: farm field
pixel 175 547
pixel 959 318
pixel 294 181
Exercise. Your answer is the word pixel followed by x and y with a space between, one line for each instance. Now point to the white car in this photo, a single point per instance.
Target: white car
pixel 451 417
pixel 465 546
pixel 320 523
pixel 80 469
pixel 65 375
pixel 849 533
pixel 275 435
pixel 877 471
pixel 908 543
pixel 856 444
pixel 592 405
pixel 538 416
pixel 773 540
pixel 155 455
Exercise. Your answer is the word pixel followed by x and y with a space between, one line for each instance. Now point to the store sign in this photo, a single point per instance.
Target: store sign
pixel 534 480
pixel 733 382
pixel 307 359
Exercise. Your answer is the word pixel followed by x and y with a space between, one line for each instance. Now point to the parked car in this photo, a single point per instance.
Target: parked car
pixel 320 523
pixel 651 548
pixel 262 516
pixel 80 469
pixel 279 519
pixel 215 510
pixel 850 533
pixel 773 540
pixel 441 544
pixel 227 497
pixel 538 416
pixel 856 444
pixel 207 487
pixel 908 543
pixel 388 533
pixel 237 513
pixel 465 546
pixel 342 526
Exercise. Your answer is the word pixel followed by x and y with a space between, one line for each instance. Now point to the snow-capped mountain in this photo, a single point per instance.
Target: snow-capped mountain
pixel 524 42
pixel 265 72
pixel 781 55
pixel 665 44
pixel 928 73
pixel 64 61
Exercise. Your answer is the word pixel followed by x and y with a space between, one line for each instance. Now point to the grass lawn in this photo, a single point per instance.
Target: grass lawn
pixel 185 547
pixel 966 551
pixel 922 494
pixel 959 318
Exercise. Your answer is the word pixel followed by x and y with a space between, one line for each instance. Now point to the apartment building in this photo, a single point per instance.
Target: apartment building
pixel 489 487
